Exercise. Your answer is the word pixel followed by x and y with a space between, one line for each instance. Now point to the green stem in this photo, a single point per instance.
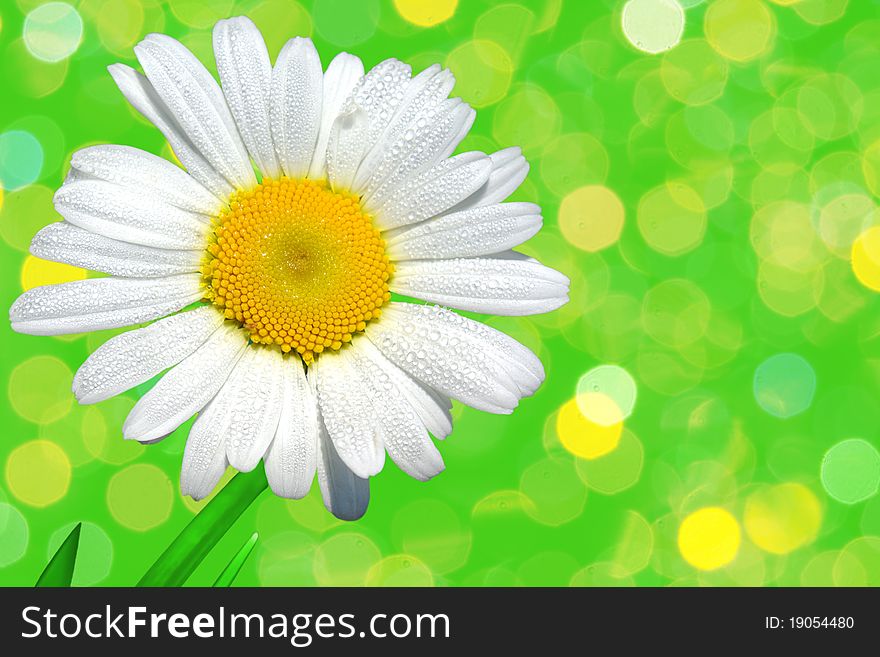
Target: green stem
pixel 234 566
pixel 59 570
pixel 199 537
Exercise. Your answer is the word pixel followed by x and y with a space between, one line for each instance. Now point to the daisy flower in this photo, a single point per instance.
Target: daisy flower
pixel 309 196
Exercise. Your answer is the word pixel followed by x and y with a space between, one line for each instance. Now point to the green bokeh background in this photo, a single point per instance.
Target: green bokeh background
pixel 745 169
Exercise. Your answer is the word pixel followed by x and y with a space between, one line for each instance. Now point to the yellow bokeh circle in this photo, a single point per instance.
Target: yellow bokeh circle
pixel 102 431
pixel 584 436
pixel 739 30
pixel 693 73
pixel 556 492
pixel 38 473
pixel 483 71
pixel 591 217
pixel 344 559
pixel 789 292
pixel 782 234
pixel 529 117
pixel 35 77
pixel 39 389
pixel 432 531
pixel 830 105
pixel 866 258
pixel 120 24
pixel 140 497
pixel 672 218
pixel 278 20
pixel 820 12
pixel 709 539
pixel 510 24
pixel 780 519
pixel 426 13
pixel 24 212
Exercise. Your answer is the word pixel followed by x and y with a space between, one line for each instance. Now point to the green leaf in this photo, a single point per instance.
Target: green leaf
pixel 59 570
pixel 234 566
pixel 198 538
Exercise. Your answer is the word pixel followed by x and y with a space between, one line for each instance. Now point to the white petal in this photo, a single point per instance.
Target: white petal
pixel 347 413
pixel 432 137
pixel 345 494
pixel 516 256
pixel 509 169
pixel 292 457
pixel 365 405
pixel 474 232
pixel 523 366
pixel 64 242
pixel 196 102
pixel 430 87
pixel 459 357
pixel 130 215
pixel 464 129
pixel 346 147
pixel 431 192
pixel 342 75
pixel 484 285
pixel 132 167
pixel 421 95
pixel 101 303
pixel 137 356
pixel 432 406
pixel 75 175
pixel 236 427
pixel 186 389
pixel 254 407
pixel 246 75
pixel 297 90
pixel 140 93
pixel 204 458
pixel 211 437
pixel 379 93
pixel 403 432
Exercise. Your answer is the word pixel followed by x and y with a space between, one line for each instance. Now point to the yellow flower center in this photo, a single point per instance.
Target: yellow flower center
pixel 298 265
